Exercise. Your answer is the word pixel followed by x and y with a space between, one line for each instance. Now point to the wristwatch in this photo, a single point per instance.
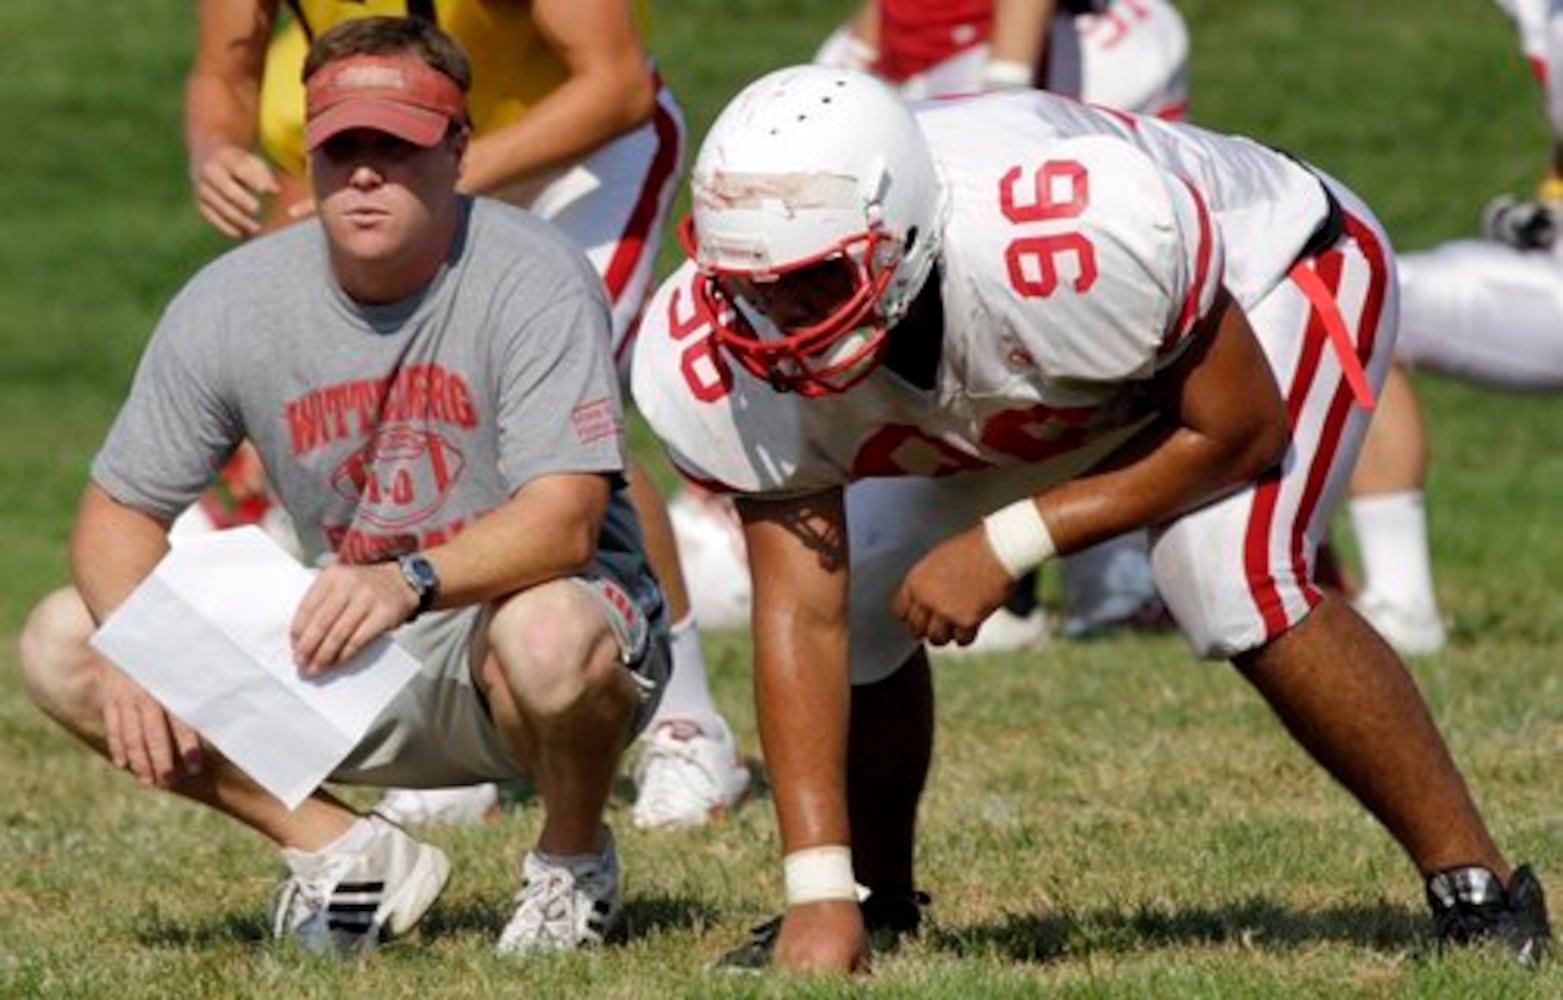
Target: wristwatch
pixel 420 576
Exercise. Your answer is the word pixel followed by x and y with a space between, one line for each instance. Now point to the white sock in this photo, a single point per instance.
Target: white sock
pixel 355 838
pixel 1391 532
pixel 688 694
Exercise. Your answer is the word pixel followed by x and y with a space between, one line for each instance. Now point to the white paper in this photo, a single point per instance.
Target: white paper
pixel 207 635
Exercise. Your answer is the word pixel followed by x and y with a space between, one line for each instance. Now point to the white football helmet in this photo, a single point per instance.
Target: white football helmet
pixel 813 168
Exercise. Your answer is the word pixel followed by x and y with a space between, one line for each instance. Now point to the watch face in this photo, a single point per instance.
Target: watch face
pixel 420 574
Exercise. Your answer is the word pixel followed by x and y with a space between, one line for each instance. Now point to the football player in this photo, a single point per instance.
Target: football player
pixel 928 351
pixel 1489 310
pixel 1131 54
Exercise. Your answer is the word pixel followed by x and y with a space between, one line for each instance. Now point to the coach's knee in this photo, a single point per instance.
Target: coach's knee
pixel 554 649
pixel 59 669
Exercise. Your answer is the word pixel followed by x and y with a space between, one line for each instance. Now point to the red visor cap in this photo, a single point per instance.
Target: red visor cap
pixel 401 95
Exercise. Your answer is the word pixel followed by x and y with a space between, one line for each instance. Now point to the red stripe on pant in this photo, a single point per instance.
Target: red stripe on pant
pixel 632 244
pixel 1267 493
pixel 1340 406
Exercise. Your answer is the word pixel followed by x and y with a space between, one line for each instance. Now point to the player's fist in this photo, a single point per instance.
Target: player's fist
pixel 952 590
pixel 825 936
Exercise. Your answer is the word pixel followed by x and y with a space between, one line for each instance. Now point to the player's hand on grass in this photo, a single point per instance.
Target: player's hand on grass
pixel 345 609
pixel 143 738
pixel 826 936
pixel 952 590
pixel 231 187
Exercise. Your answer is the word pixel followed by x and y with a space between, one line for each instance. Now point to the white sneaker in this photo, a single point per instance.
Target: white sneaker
pixel 1003 632
pixel 1412 631
pixel 467 804
pixel 564 904
pixel 687 776
pixel 350 901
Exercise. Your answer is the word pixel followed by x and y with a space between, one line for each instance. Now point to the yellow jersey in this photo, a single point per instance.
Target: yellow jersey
pixel 512 65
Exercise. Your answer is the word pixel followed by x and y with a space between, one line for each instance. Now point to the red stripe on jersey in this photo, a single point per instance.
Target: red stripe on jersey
pixel 1261 518
pixel 1538 69
pixel 1190 311
pixel 917 34
pixel 1177 111
pixel 633 242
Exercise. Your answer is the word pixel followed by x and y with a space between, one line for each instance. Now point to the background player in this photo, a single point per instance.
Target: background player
pixel 1486 310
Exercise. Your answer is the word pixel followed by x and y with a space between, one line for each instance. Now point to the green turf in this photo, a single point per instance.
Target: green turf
pixel 1103 819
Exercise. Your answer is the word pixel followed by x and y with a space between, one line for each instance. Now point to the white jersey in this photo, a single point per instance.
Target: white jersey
pixel 1081 248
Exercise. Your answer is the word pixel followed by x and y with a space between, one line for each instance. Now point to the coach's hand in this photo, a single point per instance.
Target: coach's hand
pixel 345 609
pixel 826 936
pixel 952 590
pixel 143 738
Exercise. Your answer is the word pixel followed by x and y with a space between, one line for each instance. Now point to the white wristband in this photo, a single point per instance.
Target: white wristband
pixel 1019 537
pixel 819 873
pixel 1007 74
pixel 861 55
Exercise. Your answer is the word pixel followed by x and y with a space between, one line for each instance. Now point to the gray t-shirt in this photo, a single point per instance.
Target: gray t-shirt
pixel 384 429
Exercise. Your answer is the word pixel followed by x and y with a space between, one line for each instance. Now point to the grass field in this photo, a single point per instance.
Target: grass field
pixel 1104 819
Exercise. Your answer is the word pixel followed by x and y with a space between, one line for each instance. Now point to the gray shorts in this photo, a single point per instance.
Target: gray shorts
pixel 438 732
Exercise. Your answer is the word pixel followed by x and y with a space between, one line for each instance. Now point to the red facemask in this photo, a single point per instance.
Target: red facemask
pixel 812 359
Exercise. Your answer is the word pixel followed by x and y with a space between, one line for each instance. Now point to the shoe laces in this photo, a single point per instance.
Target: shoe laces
pixel 549 902
pixel 545 910
pixel 300 898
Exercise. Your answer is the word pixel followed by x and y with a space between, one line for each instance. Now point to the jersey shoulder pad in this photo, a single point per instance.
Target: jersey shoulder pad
pixel 1099 261
pixel 722 427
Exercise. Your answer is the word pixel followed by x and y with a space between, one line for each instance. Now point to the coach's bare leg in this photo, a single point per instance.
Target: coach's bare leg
pixel 64 676
pixel 1347 698
pixel 563 702
pixel 889 748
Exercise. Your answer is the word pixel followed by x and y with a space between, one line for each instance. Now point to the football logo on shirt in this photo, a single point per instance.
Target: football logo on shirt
pixel 400 477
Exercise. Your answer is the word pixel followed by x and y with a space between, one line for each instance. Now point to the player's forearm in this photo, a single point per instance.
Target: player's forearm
pixel 1161 473
pixel 798 565
pixel 218 112
pixel 1222 423
pixel 803 701
pixel 1020 30
pixel 583 114
pixel 113 548
pixel 548 530
pixel 864 25
pixel 222 90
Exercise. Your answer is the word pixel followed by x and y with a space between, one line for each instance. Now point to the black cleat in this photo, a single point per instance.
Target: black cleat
pixel 887 917
pixel 1470 906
